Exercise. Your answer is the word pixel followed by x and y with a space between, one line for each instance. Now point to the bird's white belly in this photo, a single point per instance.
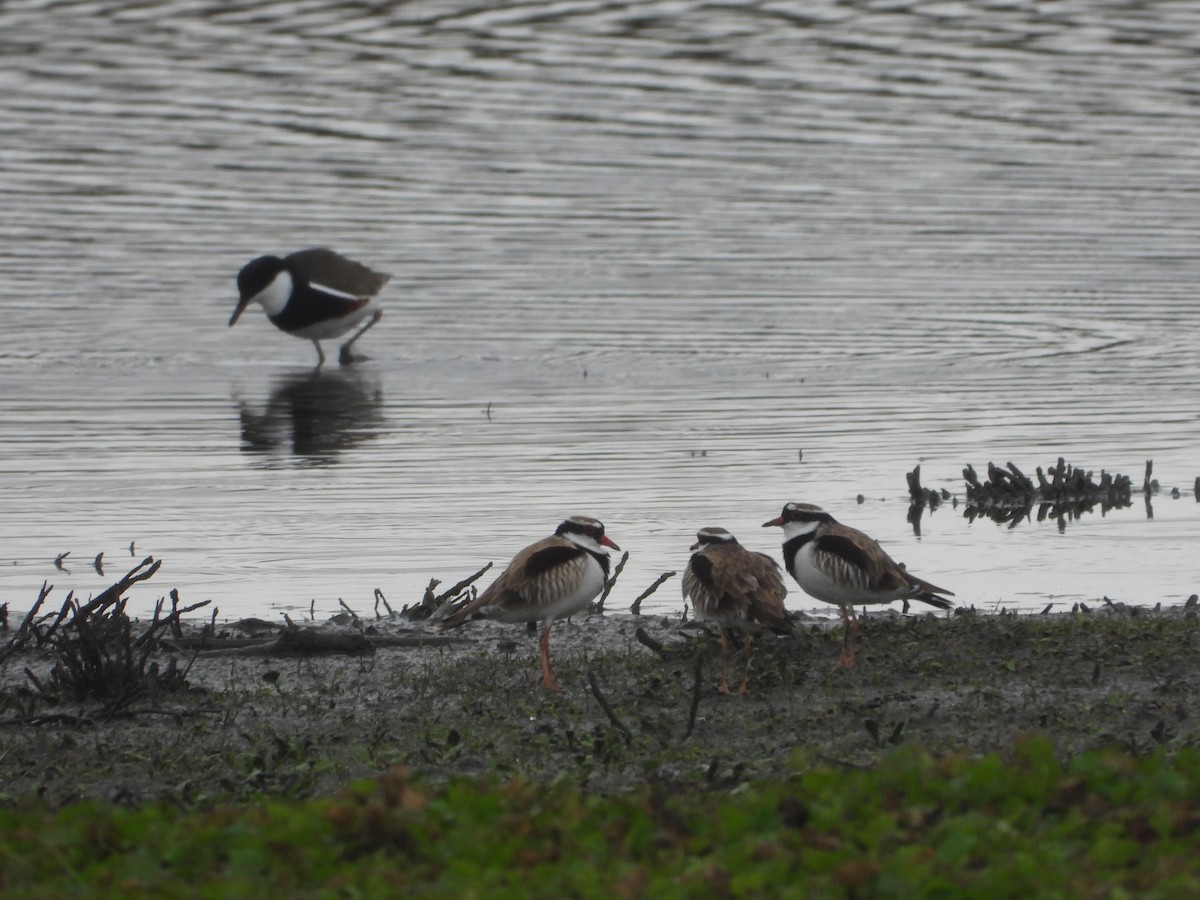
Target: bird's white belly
pixel 834 586
pixel 589 589
pixel 570 603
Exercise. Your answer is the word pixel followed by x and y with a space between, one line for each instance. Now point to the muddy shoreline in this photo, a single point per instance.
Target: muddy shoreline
pixel 249 726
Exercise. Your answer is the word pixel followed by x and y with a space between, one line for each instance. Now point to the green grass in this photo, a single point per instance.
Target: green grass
pixel 1106 824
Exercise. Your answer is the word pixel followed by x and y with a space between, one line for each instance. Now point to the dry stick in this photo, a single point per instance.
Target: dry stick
pixel 354 619
pixel 598 606
pixel 460 587
pixel 636 606
pixel 379 598
pixel 132 577
pixel 21 637
pixel 697 679
pixel 442 605
pixel 68 605
pixel 608 710
pixel 176 627
pixel 644 638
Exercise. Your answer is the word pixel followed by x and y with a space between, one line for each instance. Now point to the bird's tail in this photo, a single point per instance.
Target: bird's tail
pixel 934 600
pixel 465 612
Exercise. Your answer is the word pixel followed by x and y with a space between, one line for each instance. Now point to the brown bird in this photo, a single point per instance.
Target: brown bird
pixel 557 576
pixel 736 588
pixel 841 565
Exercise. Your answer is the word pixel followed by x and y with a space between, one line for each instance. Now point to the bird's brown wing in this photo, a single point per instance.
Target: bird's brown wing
pixel 766 601
pixel 864 563
pixel 537 576
pixel 707 587
pixel 858 559
pixel 726 581
pixel 327 267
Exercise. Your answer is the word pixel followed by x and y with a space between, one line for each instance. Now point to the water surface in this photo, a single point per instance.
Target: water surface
pixel 670 264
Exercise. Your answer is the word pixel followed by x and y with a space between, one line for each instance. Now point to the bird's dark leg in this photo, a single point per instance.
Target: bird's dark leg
pixel 346 357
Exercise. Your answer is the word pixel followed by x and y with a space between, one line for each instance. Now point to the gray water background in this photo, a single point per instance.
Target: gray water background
pixel 671 264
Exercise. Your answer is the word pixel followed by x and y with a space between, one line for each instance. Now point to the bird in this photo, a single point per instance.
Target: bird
pixel 550 579
pixel 737 588
pixel 315 294
pixel 841 565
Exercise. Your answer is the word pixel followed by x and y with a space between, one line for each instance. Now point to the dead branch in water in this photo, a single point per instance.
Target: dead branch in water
pixel 636 606
pixel 598 606
pixel 379 598
pixel 1062 492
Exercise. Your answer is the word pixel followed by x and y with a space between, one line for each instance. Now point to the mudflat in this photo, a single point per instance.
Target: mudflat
pixel 238 719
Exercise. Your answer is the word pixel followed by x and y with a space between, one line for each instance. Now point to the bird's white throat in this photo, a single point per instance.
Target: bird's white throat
pixel 274 296
pixel 796 529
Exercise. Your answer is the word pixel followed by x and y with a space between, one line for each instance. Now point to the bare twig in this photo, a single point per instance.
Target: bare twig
pixel 443 604
pixel 598 606
pixel 636 606
pixel 644 638
pixel 457 589
pixel 354 619
pixel 379 598
pixel 21 637
pixel 608 710
pixel 697 679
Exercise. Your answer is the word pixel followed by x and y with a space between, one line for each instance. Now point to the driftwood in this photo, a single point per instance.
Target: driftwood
pixel 437 606
pixel 920 499
pixel 636 606
pixel 96 653
pixel 922 495
pixel 598 606
pixel 1061 492
pixel 299 642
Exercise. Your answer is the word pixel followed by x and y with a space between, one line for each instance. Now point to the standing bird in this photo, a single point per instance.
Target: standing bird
pixel 557 576
pixel 736 588
pixel 314 294
pixel 841 565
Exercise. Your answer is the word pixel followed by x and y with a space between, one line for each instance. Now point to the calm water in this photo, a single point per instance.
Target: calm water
pixel 670 264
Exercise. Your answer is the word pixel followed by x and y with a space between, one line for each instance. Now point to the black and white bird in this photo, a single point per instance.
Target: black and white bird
pixel 841 565
pixel 313 294
pixel 735 588
pixel 551 579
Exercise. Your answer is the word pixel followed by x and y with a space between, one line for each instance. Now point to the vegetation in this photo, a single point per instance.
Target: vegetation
pixel 1106 824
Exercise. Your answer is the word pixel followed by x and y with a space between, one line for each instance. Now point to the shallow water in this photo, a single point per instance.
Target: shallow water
pixel 670 264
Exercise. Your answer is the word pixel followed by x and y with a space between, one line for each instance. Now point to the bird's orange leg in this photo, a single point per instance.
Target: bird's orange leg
pixel 849 637
pixel 548 679
pixel 745 688
pixel 724 688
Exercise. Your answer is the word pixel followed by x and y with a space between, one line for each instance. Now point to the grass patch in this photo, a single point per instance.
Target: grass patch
pixel 1023 825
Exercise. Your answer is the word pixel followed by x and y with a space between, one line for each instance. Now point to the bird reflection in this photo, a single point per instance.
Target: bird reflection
pixel 318 413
